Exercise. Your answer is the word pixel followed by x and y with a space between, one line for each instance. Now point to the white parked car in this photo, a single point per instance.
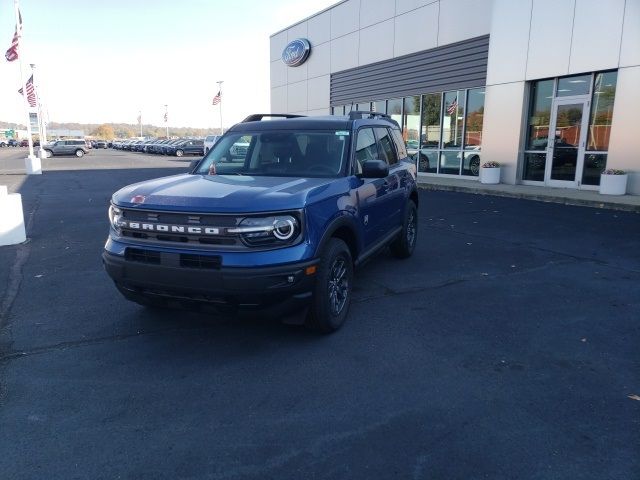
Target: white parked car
pixel 210 141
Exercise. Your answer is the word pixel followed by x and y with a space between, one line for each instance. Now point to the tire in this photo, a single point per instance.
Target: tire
pixel 179 153
pixel 405 244
pixel 474 166
pixel 332 293
pixel 79 153
pixel 49 153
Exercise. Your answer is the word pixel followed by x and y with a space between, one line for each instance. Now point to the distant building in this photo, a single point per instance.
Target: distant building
pixel 65 133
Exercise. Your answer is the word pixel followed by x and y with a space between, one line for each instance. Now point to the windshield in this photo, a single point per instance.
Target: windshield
pixel 279 154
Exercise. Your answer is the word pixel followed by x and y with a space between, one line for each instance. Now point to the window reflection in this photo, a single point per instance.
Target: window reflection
pixel 539 115
pixel 394 109
pixel 453 116
pixel 430 128
pixel 379 106
pixel 474 120
pixel 411 123
pixel 576 85
pixel 604 92
pixel 450 162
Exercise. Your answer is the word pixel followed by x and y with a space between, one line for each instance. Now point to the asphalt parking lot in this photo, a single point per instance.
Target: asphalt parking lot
pixel 507 347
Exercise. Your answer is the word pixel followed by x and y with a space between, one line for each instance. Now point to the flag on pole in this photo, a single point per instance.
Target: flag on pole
pixel 217 99
pixel 166 117
pixel 140 119
pixel 31 92
pixel 12 52
pixel 451 109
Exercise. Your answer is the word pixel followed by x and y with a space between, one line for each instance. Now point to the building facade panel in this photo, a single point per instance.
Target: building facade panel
pixel 297 97
pixel 462 19
pixel 376 11
pixel 319 28
pixel 319 62
pixel 344 52
pixel 550 38
pixel 345 18
pixel 595 43
pixel 404 6
pixel 629 50
pixel 423 20
pixel 318 93
pixel 371 48
pixel 278 74
pixel 509 39
pixel 279 99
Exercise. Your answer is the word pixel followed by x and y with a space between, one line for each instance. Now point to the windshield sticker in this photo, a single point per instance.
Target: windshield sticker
pixel 342 132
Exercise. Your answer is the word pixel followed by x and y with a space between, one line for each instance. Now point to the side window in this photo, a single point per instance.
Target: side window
pixel 400 145
pixel 386 147
pixel 365 147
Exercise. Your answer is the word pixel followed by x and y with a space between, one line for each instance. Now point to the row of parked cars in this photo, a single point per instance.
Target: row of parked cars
pixel 175 147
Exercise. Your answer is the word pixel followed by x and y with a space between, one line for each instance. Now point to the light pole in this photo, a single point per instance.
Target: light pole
pixel 166 118
pixel 220 82
pixel 140 121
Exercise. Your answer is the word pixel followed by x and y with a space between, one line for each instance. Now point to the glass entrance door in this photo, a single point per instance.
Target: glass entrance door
pixel 566 142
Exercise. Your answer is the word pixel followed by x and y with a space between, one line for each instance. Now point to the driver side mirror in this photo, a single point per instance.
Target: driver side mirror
pixel 375 169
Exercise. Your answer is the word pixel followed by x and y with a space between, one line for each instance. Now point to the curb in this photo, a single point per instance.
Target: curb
pixel 527 196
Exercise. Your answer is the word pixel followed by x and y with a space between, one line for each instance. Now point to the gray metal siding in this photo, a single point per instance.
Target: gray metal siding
pixel 458 65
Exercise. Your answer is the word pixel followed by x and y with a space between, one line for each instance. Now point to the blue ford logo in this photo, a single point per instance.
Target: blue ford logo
pixel 296 52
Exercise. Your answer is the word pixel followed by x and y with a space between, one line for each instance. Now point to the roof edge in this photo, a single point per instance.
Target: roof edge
pixel 307 18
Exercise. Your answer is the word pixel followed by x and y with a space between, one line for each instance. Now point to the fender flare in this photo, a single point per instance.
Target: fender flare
pixel 336 223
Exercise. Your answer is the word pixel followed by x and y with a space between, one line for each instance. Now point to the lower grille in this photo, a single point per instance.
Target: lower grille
pixel 200 261
pixel 142 256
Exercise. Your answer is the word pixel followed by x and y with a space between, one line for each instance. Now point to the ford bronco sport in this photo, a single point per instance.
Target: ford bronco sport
pixel 275 216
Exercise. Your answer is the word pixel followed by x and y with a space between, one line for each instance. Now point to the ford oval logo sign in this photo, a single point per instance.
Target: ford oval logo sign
pixel 296 52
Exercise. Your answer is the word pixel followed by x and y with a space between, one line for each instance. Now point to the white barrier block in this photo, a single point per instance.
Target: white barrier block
pixel 11 218
pixel 33 165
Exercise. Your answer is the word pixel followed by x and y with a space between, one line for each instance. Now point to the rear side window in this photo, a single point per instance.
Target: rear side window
pixel 365 147
pixel 386 147
pixel 401 146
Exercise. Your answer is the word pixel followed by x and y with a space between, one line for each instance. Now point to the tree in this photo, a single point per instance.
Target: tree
pixel 104 132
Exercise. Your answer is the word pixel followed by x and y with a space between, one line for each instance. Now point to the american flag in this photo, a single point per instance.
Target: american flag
pixel 31 92
pixel 12 53
pixel 166 117
pixel 451 109
pixel 217 99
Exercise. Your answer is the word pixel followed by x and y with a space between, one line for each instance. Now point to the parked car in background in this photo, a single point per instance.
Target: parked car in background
pixel 77 147
pixel 210 141
pixel 12 142
pixel 100 144
pixel 24 143
pixel 186 147
pixel 3 143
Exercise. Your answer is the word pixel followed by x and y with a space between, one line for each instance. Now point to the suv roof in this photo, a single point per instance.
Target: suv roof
pixel 286 121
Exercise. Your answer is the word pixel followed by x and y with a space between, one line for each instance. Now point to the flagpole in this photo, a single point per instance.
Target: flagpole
pixel 166 117
pixel 41 123
pixel 219 82
pixel 140 121
pixel 32 163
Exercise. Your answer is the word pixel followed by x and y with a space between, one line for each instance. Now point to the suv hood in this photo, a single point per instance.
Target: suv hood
pixel 223 193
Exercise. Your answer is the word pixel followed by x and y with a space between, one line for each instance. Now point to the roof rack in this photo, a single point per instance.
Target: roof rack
pixel 357 114
pixel 256 117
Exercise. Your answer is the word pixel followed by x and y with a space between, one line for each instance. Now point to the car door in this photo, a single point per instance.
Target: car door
pixel 372 193
pixel 394 195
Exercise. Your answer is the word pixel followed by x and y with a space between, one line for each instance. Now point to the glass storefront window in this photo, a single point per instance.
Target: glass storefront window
pixel 411 123
pixel 594 165
pixel 471 163
pixel 430 126
pixel 348 108
pixel 604 92
pixel 394 109
pixel 534 165
pixel 450 162
pixel 474 120
pixel 576 85
pixel 379 106
pixel 427 161
pixel 338 110
pixel 539 115
pixel 453 116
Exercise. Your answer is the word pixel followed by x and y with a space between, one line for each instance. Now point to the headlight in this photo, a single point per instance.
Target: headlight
pixel 115 217
pixel 264 231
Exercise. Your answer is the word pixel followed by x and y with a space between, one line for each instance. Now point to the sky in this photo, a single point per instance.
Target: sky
pixel 100 61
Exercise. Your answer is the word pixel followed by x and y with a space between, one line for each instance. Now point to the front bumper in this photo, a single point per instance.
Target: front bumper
pixel 287 286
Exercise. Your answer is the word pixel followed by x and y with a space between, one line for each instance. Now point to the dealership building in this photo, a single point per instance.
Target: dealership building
pixel 550 89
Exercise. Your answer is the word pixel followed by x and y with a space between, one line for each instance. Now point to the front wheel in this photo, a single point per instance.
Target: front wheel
pixel 79 153
pixel 332 294
pixel 404 245
pixel 48 153
pixel 179 153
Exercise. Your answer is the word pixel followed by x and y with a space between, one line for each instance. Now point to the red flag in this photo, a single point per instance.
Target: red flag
pixel 12 52
pixel 31 92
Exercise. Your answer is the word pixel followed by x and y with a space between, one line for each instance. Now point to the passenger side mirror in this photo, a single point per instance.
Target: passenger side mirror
pixel 375 169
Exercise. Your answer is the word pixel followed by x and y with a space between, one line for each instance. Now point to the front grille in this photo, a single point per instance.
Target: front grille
pixel 200 261
pixel 142 256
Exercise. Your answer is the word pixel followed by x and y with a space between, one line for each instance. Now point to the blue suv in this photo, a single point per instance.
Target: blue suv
pixel 275 217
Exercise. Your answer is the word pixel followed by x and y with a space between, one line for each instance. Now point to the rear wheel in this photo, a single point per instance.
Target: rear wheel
pixel 79 153
pixel 332 295
pixel 404 245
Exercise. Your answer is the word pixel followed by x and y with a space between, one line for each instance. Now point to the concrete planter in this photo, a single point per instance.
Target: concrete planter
pixel 613 184
pixel 490 175
pixel 11 218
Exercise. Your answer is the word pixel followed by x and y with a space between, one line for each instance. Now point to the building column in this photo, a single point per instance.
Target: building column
pixel 504 105
pixel 624 153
